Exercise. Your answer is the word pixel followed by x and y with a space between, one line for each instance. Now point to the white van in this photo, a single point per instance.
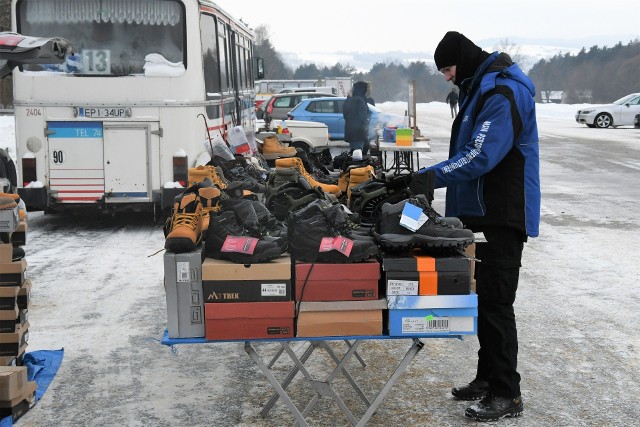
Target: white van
pixel 320 89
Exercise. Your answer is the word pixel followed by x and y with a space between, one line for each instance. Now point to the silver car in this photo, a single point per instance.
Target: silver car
pixel 620 113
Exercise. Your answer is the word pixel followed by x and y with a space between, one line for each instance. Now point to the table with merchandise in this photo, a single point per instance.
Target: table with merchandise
pixel 330 307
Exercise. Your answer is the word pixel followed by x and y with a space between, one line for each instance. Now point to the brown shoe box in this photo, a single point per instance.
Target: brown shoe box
pixel 11 342
pixel 337 282
pixel 13 273
pixel 18 406
pixel 9 297
pixel 13 382
pixel 14 360
pixel 226 281
pixel 6 253
pixel 249 320
pixel 13 325
pixel 340 318
pixel 24 295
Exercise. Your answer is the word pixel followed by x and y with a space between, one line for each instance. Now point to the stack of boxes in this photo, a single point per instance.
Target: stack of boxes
pixel 403 295
pixel 430 295
pixel 338 299
pixel 17 395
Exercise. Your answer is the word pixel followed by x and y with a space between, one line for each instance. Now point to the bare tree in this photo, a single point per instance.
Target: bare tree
pixel 511 49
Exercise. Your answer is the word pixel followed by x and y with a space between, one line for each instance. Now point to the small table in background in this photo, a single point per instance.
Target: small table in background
pixel 403 156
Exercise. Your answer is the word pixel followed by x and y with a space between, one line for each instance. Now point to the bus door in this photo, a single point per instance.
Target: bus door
pixel 75 150
pixel 128 160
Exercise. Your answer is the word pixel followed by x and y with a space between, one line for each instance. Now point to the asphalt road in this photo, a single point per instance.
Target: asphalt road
pixel 98 293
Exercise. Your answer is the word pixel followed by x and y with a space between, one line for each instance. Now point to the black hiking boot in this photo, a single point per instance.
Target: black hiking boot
pixel 368 198
pixel 310 225
pixel 475 390
pixel 493 408
pixel 434 233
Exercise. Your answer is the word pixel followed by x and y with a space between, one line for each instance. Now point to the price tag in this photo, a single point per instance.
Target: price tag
pixel 412 217
pixel 240 244
pixel 339 243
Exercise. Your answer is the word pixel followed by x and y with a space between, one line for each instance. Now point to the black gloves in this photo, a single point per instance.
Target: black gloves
pixel 423 183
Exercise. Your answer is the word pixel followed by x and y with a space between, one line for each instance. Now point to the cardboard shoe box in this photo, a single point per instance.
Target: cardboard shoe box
pixel 13 382
pixel 340 318
pixel 18 406
pixel 13 273
pixel 337 282
pixel 226 281
pixel 12 342
pixel 183 289
pixel 249 320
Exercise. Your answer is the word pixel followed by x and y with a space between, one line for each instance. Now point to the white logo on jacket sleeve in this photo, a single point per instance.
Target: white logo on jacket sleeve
pixel 477 143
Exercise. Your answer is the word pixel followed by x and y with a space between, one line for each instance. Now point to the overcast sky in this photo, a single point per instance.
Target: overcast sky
pixel 418 25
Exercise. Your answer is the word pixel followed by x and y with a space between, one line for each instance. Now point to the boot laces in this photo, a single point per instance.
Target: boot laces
pixel 188 220
pixel 431 213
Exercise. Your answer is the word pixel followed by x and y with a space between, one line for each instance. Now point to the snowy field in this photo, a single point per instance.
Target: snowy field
pixel 98 293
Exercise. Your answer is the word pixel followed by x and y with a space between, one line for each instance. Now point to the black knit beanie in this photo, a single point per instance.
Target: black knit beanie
pixel 456 49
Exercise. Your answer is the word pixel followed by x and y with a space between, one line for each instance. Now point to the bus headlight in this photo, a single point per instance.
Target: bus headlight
pixel 34 144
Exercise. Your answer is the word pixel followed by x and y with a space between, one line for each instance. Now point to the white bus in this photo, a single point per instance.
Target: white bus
pixel 150 81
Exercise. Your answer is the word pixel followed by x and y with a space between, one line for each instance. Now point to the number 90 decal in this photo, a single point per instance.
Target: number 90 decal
pixel 57 157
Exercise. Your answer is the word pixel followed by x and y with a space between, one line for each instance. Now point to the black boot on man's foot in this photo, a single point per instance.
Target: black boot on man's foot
pixel 493 408
pixel 475 390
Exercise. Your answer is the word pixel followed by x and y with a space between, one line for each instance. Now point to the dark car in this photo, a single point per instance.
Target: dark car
pixel 277 107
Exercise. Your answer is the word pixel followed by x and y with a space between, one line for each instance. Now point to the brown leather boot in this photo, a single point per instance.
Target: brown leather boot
pixel 358 176
pixel 184 227
pixel 296 162
pixel 273 149
pixel 199 173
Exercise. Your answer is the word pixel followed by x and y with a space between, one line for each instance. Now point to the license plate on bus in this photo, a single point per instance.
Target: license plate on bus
pixel 104 112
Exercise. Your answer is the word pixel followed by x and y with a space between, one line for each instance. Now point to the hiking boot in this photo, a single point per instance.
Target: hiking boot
pixel 248 218
pixel 224 224
pixel 291 198
pixel 7 203
pixel 434 233
pixel 273 149
pixel 476 389
pixel 183 230
pixel 493 408
pixel 357 177
pixel 199 173
pixel 320 219
pixel 315 167
pixel 210 199
pixel 367 198
pixel 296 162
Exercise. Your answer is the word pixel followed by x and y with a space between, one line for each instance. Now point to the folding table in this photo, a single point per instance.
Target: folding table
pixel 322 387
pixel 403 155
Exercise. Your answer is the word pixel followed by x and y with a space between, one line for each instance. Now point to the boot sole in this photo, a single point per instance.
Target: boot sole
pixel 256 258
pixel 179 245
pixel 401 241
pixel 491 419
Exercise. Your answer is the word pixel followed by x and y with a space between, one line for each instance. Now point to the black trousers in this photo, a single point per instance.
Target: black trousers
pixel 497 276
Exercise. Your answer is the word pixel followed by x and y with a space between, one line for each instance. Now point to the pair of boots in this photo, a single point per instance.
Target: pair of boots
pixel 321 232
pixel 189 220
pixel 245 232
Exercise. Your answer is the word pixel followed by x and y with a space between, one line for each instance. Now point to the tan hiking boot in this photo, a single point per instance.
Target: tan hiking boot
pixel 210 198
pixel 199 173
pixel 184 228
pixel 296 162
pixel 273 149
pixel 7 202
pixel 358 176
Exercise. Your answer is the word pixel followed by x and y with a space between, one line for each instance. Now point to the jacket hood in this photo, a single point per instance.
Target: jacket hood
pixel 360 89
pixel 501 65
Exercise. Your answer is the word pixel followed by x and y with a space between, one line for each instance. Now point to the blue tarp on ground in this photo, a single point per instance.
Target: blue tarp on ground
pixel 42 366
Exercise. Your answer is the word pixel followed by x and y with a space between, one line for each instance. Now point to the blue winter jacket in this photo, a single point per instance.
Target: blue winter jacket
pixel 492 174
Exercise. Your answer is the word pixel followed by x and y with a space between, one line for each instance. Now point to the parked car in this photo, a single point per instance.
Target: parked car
pixel 328 110
pixel 619 113
pixel 277 107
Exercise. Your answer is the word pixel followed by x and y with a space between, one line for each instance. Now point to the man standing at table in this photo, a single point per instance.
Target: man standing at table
pixel 493 186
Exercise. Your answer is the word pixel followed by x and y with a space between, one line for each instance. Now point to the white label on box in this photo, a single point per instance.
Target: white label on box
pixel 273 290
pixel 402 287
pixel 182 272
pixel 427 324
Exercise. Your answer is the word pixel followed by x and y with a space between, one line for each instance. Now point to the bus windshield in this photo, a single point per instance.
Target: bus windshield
pixel 109 37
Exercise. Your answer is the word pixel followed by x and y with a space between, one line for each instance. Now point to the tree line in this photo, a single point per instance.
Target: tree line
pixel 599 75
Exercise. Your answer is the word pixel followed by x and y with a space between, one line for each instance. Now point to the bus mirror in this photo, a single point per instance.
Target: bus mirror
pixel 259 68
